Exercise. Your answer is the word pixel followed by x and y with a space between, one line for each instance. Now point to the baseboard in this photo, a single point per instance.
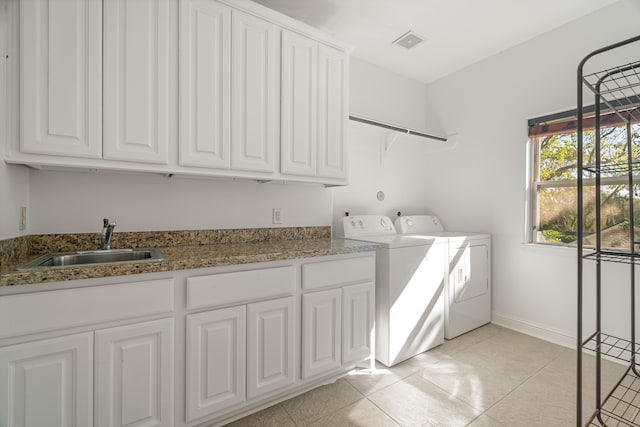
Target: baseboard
pixel 537 330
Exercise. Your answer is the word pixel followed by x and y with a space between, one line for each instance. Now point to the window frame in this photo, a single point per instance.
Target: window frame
pixel 534 184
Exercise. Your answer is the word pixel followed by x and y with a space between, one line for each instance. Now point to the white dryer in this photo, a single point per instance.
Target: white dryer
pixel 467 271
pixel 409 289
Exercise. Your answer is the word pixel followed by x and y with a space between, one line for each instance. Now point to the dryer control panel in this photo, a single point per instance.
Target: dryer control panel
pixel 423 224
pixel 367 225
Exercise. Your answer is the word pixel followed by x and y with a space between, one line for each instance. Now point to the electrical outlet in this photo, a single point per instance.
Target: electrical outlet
pixel 277 215
pixel 22 224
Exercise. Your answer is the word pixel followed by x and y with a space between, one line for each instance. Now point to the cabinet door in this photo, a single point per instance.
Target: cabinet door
pixel 357 322
pixel 299 104
pixel 138 77
pixel 61 77
pixel 205 84
pixel 48 382
pixel 321 332
pixel 134 375
pixel 270 348
pixel 333 112
pixel 216 360
pixel 255 92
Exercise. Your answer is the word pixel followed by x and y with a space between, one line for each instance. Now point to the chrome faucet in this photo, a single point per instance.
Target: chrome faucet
pixel 107 232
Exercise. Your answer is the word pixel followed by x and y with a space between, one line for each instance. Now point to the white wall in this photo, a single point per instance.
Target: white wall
pixel 382 95
pixel 481 184
pixel 398 171
pixel 67 202
pixel 14 180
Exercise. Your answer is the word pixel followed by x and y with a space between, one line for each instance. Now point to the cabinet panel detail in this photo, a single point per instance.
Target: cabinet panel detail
pixel 48 382
pixel 137 73
pixel 255 92
pixel 338 272
pixel 216 360
pixel 322 335
pixel 226 288
pixel 332 112
pixel 357 321
pixel 299 104
pixel 134 375
pixel 205 84
pixel 46 311
pixel 61 78
pixel 271 350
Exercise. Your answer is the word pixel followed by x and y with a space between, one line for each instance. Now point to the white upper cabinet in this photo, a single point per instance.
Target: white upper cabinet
pixel 138 75
pixel 333 112
pixel 255 92
pixel 198 87
pixel 314 108
pixel 299 104
pixel 205 84
pixel 61 79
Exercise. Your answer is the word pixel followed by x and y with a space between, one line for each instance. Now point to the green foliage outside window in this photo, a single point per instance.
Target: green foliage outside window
pixel 556 189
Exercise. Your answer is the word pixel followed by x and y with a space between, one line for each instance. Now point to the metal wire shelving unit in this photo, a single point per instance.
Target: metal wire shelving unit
pixel 615 90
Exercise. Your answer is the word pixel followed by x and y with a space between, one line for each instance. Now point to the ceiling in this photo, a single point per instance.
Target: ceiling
pixel 458 32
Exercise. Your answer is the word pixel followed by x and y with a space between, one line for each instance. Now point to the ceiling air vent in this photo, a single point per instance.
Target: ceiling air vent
pixel 408 40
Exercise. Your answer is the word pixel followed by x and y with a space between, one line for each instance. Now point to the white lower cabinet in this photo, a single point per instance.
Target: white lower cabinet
pixel 216 355
pixel 337 328
pixel 47 382
pixel 249 345
pixel 250 336
pixel 321 332
pixel 134 375
pixel 357 322
pixel 270 346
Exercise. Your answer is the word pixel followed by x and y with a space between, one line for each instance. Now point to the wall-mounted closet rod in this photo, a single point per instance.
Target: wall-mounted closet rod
pixel 396 128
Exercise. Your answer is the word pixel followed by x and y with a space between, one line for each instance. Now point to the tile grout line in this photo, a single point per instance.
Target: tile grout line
pixel 516 388
pixel 335 411
pixel 384 412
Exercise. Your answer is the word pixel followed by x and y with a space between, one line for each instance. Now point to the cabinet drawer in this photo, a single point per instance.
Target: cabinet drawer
pixel 226 288
pixel 51 310
pixel 339 272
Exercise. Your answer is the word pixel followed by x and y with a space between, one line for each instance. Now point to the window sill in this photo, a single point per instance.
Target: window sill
pixel 545 246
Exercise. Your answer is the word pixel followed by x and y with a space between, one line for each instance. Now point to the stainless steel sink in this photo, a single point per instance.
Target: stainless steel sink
pixel 94 257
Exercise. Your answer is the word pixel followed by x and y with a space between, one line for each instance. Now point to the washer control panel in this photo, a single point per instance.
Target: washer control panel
pixel 366 225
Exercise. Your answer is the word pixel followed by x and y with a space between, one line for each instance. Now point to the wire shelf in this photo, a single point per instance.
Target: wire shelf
pixel 611 346
pixel 613 168
pixel 622 406
pixel 613 256
pixel 619 89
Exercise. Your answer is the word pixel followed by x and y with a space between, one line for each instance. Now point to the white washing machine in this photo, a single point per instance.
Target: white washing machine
pixel 409 288
pixel 467 271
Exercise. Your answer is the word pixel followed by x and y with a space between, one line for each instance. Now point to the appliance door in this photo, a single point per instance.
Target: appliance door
pixel 469 287
pixel 469 270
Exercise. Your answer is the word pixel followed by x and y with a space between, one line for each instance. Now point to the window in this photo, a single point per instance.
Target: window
pixel 553 174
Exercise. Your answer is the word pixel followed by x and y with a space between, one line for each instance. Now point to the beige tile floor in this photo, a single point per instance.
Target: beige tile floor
pixel 489 377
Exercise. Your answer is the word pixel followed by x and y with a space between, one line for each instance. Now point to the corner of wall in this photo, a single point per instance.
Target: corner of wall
pixel 14 179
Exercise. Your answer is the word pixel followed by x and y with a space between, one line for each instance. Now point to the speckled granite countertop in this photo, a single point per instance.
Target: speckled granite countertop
pixel 288 244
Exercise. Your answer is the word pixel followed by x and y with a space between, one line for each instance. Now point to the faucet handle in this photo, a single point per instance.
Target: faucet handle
pixel 105 222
